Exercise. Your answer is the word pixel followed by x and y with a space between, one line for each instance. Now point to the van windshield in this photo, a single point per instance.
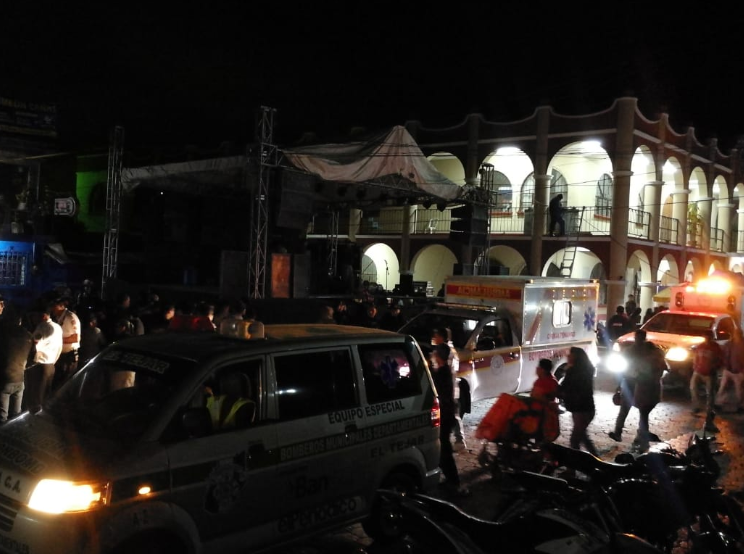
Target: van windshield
pixel 422 326
pixel 119 394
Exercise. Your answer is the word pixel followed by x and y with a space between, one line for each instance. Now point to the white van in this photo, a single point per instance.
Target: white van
pixel 502 325
pixel 139 452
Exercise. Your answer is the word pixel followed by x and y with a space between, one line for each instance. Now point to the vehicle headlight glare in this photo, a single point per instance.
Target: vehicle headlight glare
pixel 677 354
pixel 616 363
pixel 56 497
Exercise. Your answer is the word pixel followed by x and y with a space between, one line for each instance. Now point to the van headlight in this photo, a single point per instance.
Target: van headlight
pixel 616 347
pixel 56 497
pixel 677 354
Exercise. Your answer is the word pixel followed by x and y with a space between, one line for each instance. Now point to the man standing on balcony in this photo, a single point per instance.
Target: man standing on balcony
pixel 556 216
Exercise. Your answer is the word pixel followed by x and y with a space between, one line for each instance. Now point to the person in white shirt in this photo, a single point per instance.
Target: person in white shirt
pixel 38 378
pixel 67 363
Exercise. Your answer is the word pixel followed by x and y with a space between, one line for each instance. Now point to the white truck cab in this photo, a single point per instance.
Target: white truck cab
pixel 502 325
pixel 712 304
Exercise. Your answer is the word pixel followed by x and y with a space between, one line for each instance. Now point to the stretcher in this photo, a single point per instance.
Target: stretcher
pixel 517 425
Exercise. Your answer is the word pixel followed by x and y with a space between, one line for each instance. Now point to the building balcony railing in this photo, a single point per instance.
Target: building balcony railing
pixel 716 239
pixel 508 221
pixel 668 230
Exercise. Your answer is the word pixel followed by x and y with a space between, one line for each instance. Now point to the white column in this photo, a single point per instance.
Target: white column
pixel 740 236
pixel 724 222
pixel 679 212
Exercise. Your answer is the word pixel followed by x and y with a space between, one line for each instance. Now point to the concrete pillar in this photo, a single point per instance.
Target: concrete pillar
pixel 542 189
pixel 679 212
pixel 473 162
pixel 652 199
pixel 405 241
pixel 355 220
pixel 623 157
pixel 724 222
pixel 740 235
pixel 704 210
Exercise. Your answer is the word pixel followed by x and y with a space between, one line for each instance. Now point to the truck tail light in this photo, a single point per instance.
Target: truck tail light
pixel 436 419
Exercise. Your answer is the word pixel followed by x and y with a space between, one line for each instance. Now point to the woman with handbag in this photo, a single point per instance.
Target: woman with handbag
pixel 577 392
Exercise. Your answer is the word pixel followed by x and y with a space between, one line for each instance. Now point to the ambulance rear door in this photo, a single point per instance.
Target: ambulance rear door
pixel 557 318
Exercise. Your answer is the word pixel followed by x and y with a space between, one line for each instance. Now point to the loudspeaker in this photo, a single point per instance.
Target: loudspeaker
pixel 234 274
pixel 406 284
pixel 296 200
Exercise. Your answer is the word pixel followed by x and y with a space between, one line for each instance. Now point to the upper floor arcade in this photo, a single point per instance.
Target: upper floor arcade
pixel 670 188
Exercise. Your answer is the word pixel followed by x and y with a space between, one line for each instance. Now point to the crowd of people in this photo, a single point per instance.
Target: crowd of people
pixel 626 319
pixel 42 346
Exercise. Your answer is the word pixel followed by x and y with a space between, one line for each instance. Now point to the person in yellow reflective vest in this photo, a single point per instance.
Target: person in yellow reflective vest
pixel 233 408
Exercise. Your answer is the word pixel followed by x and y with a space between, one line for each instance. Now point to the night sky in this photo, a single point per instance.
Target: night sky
pixel 197 72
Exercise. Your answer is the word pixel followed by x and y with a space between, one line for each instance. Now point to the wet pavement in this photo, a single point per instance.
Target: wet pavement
pixel 672 420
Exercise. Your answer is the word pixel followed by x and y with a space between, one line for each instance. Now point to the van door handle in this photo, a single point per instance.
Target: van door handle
pixel 514 355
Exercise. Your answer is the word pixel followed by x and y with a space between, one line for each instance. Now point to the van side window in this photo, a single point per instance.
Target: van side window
pixel 498 330
pixel 389 373
pixel 232 395
pixel 312 383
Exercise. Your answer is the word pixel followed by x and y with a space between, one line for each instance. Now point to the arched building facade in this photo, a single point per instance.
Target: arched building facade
pixel 646 206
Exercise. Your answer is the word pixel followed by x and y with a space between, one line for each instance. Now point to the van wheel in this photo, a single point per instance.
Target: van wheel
pixel 150 543
pixel 384 524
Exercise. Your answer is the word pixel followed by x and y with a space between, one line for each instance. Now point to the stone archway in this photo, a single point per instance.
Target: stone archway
pixel 433 263
pixel 502 260
pixel 639 280
pixel 380 265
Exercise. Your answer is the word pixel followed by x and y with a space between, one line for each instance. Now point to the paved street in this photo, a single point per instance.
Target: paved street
pixel 672 420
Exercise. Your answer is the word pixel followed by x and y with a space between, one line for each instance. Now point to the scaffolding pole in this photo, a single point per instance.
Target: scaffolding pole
pixel 333 244
pixel 113 209
pixel 268 159
pixel 487 184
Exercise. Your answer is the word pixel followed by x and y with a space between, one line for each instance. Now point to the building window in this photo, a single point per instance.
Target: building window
pixel 503 197
pixel 604 196
pixel 12 268
pixel 558 185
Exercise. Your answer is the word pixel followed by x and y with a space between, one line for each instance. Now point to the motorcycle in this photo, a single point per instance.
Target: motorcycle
pixel 658 494
pixel 435 526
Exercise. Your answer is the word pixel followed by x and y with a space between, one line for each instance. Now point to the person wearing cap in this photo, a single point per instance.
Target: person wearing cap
pixel 38 378
pixel 67 363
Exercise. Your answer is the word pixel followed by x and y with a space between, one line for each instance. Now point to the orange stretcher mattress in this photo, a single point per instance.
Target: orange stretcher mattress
pixel 514 417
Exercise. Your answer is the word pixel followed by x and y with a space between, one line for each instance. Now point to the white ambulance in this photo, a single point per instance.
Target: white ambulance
pixel 502 325
pixel 711 304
